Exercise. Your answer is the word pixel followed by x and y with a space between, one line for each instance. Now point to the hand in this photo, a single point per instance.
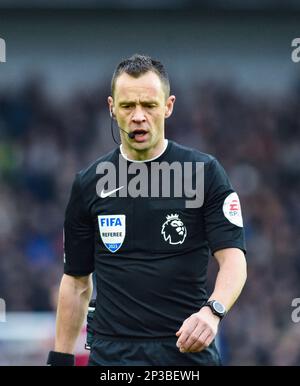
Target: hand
pixel 198 331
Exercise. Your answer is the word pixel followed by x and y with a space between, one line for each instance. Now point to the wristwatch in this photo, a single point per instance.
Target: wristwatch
pixel 216 307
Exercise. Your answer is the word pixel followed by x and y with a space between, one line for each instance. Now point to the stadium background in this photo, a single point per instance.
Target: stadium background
pixel 238 98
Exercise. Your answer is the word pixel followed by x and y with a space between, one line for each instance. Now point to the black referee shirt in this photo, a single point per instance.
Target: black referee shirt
pixel 149 255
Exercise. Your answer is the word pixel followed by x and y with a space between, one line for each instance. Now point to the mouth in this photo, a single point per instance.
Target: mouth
pixel 140 135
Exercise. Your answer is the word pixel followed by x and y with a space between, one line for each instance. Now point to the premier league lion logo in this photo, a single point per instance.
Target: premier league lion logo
pixel 174 230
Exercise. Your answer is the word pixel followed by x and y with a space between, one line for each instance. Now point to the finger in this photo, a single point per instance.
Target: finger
pixel 182 339
pixel 183 326
pixel 178 335
pixel 184 336
pixel 185 331
pixel 203 342
pixel 193 338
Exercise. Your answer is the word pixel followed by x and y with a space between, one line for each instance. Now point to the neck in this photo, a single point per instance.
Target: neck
pixel 144 155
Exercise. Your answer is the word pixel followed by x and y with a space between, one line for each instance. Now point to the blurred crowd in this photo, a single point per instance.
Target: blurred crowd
pixel 45 140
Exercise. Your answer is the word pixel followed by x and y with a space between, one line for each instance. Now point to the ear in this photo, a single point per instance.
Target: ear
pixel 110 102
pixel 169 106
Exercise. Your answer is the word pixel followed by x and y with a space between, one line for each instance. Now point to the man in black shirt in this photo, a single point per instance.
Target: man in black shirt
pixel 145 218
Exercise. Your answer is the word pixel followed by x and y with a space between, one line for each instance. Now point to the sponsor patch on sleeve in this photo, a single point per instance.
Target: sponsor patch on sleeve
pixel 232 209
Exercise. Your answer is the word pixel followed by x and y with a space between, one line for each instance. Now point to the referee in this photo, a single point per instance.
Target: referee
pixel 149 252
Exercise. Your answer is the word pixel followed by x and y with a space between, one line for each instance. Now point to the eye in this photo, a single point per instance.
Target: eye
pixel 149 105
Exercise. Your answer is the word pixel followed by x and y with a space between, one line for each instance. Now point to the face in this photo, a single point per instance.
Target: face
pixel 141 106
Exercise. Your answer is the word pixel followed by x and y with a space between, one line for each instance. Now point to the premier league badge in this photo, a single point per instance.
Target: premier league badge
pixel 112 231
pixel 174 230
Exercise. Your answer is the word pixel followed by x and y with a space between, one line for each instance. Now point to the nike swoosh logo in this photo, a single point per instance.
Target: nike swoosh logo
pixel 106 194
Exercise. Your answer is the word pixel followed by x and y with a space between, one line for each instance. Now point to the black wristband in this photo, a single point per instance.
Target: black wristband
pixel 60 359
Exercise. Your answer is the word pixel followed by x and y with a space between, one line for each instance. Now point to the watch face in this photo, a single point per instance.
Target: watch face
pixel 220 309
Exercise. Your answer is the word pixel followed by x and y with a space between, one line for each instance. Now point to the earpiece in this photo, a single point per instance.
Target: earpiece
pixel 112 115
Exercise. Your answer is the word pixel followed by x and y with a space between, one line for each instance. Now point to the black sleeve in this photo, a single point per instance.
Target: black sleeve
pixel 78 235
pixel 222 211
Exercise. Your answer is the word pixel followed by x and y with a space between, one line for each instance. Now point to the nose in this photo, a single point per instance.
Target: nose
pixel 138 115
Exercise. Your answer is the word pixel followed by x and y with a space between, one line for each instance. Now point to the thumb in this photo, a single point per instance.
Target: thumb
pixel 180 330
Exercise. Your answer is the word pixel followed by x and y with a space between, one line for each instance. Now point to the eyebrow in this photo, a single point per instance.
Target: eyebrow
pixel 132 103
